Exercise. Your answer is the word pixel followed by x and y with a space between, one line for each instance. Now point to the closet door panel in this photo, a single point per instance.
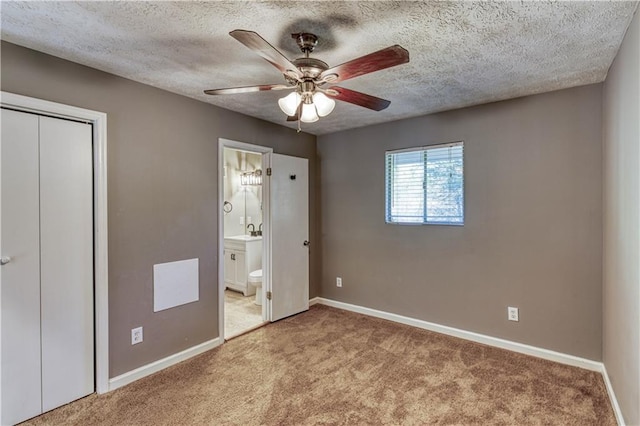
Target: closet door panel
pixel 66 223
pixel 20 278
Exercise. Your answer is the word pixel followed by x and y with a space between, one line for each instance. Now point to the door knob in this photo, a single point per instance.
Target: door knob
pixel 4 260
pixel 306 243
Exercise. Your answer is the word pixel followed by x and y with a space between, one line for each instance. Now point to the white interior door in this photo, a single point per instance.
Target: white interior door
pixel 66 261
pixel 289 236
pixel 20 273
pixel 46 238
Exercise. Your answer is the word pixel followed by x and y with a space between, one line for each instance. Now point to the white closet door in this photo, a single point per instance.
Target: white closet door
pixel 66 244
pixel 20 278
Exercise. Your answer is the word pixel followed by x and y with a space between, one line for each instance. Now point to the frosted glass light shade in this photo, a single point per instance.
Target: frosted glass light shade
pixel 324 104
pixel 309 113
pixel 289 104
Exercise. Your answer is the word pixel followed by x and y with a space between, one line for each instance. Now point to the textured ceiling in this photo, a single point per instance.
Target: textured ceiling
pixel 462 53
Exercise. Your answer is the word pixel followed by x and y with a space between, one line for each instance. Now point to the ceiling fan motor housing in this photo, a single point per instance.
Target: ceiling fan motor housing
pixel 310 67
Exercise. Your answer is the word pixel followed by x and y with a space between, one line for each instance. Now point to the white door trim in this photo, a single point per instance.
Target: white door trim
pixel 99 122
pixel 266 220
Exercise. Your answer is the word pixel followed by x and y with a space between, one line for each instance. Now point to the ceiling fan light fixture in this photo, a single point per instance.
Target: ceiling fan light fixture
pixel 324 104
pixel 289 104
pixel 309 113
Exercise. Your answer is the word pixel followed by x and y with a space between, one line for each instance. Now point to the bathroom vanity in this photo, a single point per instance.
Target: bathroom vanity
pixel 242 255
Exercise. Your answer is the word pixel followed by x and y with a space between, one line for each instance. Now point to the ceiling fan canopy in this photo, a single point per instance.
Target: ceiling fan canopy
pixel 308 76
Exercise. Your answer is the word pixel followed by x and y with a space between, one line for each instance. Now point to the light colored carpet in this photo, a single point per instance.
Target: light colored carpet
pixel 240 313
pixel 329 366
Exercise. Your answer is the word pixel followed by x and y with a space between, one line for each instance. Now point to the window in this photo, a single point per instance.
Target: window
pixel 425 185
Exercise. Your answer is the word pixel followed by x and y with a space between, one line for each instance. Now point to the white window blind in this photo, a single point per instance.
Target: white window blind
pixel 425 185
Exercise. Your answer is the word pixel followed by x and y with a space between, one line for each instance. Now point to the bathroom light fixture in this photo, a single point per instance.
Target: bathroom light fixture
pixel 251 178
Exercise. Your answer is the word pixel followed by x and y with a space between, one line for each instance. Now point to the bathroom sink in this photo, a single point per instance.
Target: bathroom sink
pixel 243 238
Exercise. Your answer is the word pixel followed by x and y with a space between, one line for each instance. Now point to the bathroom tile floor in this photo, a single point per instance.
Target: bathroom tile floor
pixel 240 313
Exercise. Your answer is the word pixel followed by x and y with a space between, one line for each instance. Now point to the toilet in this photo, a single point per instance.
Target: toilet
pixel 255 279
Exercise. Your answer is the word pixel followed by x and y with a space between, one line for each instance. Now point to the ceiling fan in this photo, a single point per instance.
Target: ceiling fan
pixel 307 77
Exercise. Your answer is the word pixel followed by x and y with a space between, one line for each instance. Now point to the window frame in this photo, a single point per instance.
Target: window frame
pixel 388 192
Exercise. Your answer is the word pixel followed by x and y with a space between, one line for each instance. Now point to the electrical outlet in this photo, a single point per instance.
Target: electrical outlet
pixel 512 314
pixel 241 220
pixel 338 282
pixel 136 335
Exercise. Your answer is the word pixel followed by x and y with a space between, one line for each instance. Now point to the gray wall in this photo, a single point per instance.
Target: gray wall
pixel 621 304
pixel 162 177
pixel 533 231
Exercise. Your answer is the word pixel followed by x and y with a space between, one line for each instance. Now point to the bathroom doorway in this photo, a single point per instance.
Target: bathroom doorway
pixel 274 191
pixel 244 234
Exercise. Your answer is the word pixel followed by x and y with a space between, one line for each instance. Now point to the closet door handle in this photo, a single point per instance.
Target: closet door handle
pixel 306 243
pixel 4 260
pixel 233 256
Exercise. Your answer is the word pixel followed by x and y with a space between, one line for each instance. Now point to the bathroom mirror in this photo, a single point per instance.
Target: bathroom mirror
pixel 243 191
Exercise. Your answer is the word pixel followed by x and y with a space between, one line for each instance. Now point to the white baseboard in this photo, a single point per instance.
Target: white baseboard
pixel 469 335
pixel 612 397
pixel 145 370
pixel 314 301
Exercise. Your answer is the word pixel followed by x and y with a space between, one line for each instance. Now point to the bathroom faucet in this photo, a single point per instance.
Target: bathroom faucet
pixel 253 230
pixel 260 229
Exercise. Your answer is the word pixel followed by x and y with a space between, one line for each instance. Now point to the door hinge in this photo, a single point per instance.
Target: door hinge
pixel 268 295
pixel 268 171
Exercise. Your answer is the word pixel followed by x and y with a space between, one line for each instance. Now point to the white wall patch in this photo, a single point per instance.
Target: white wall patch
pixel 175 284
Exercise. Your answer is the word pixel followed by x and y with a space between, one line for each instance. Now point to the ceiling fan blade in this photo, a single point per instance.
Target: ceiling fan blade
pixel 357 98
pixel 247 89
pixel 376 61
pixel 255 42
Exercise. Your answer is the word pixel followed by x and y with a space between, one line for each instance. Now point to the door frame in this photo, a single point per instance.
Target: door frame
pixel 266 229
pixel 98 120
